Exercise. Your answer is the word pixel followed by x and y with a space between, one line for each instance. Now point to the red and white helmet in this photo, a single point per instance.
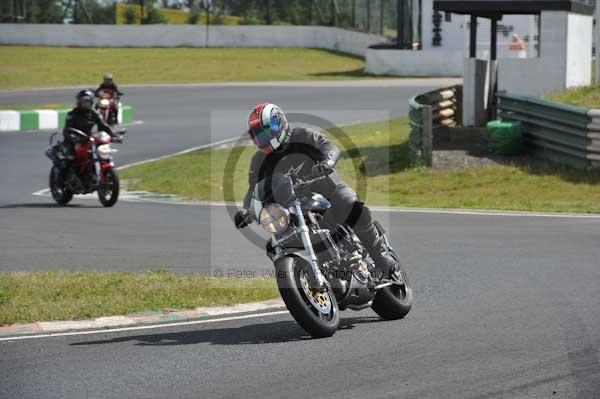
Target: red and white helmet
pixel 268 127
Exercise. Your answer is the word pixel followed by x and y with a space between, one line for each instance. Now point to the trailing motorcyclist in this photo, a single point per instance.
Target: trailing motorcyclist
pixel 305 152
pixel 108 95
pixel 108 84
pixel 83 117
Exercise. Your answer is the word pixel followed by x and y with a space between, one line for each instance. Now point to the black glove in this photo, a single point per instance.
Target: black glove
pixel 321 169
pixel 242 218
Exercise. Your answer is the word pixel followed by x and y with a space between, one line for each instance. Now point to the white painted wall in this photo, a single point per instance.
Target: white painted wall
pixel 579 49
pixel 188 35
pixel 424 63
pixel 565 59
pixel 528 77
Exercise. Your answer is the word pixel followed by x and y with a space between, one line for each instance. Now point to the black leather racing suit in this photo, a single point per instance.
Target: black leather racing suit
pixel 111 87
pixel 83 119
pixel 304 149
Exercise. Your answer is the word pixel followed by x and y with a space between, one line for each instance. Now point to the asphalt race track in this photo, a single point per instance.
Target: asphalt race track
pixel 37 235
pixel 506 306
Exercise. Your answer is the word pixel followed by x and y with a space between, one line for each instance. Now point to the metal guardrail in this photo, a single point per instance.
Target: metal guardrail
pixel 558 132
pixel 428 113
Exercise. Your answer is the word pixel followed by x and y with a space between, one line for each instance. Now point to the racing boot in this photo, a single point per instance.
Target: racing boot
pixel 385 264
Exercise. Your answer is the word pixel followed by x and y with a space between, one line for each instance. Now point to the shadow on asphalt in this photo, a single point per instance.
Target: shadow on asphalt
pixel 266 333
pixel 44 205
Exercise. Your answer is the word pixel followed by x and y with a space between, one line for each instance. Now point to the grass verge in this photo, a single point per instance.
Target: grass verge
pixel 586 97
pixel 382 151
pixel 31 297
pixel 27 107
pixel 26 67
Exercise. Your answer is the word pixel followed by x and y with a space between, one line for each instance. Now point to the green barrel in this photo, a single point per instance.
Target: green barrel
pixel 506 137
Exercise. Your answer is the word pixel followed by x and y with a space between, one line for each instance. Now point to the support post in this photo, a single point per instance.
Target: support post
pixel 381 15
pixel 493 69
pixel 207 23
pixel 427 138
pixel 473 37
pixel 399 22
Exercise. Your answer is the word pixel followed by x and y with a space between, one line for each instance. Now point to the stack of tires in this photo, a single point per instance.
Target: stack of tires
pixel 506 137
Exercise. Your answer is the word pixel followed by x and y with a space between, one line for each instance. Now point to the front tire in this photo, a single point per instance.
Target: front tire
pixel 317 313
pixel 394 302
pixel 108 191
pixel 61 194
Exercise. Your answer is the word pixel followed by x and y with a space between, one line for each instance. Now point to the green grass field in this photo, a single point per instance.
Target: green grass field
pixel 31 297
pixel 27 67
pixel 586 97
pixel 24 107
pixel 382 149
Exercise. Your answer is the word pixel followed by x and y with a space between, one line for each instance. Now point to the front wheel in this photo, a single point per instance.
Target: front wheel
pixel 108 191
pixel 316 312
pixel 60 193
pixel 394 302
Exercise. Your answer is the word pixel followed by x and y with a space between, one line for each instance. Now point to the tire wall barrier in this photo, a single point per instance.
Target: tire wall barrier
pixel 46 119
pixel 428 114
pixel 558 132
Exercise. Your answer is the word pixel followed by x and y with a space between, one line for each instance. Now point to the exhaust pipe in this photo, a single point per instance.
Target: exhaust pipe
pixel 360 307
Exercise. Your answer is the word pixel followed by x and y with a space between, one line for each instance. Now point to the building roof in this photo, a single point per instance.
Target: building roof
pixel 499 7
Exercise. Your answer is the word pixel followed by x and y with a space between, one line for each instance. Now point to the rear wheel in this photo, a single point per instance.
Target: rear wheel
pixel 394 302
pixel 108 191
pixel 316 312
pixel 61 194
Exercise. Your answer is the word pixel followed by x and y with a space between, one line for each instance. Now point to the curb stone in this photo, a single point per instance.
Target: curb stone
pixel 137 319
pixel 46 119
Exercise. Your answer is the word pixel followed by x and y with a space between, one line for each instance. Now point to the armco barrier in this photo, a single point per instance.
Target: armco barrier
pixel 558 132
pixel 46 119
pixel 428 114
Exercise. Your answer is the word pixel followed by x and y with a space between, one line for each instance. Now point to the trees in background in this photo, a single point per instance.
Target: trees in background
pixel 366 15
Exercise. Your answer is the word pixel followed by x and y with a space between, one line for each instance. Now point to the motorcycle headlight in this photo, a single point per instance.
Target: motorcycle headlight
pixel 274 218
pixel 104 151
pixel 104 102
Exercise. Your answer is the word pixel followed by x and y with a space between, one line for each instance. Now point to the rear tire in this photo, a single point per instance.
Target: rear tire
pixel 108 192
pixel 394 302
pixel 319 316
pixel 60 193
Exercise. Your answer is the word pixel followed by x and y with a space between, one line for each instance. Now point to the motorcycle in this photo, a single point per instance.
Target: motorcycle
pixel 108 106
pixel 321 267
pixel 91 169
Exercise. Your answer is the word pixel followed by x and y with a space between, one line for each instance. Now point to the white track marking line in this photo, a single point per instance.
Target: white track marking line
pixel 182 152
pixel 488 213
pixel 149 327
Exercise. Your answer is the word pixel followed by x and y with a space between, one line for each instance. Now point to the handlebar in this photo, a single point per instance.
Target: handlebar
pixel 311 179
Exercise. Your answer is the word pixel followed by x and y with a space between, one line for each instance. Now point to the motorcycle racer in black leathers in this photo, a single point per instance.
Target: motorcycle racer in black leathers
pixel 108 84
pixel 308 152
pixel 83 117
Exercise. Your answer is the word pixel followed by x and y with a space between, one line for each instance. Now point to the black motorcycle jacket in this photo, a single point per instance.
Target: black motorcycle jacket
pixel 304 149
pixel 85 120
pixel 112 87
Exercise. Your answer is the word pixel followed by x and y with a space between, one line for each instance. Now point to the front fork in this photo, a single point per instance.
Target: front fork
pixel 316 277
pixel 97 166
